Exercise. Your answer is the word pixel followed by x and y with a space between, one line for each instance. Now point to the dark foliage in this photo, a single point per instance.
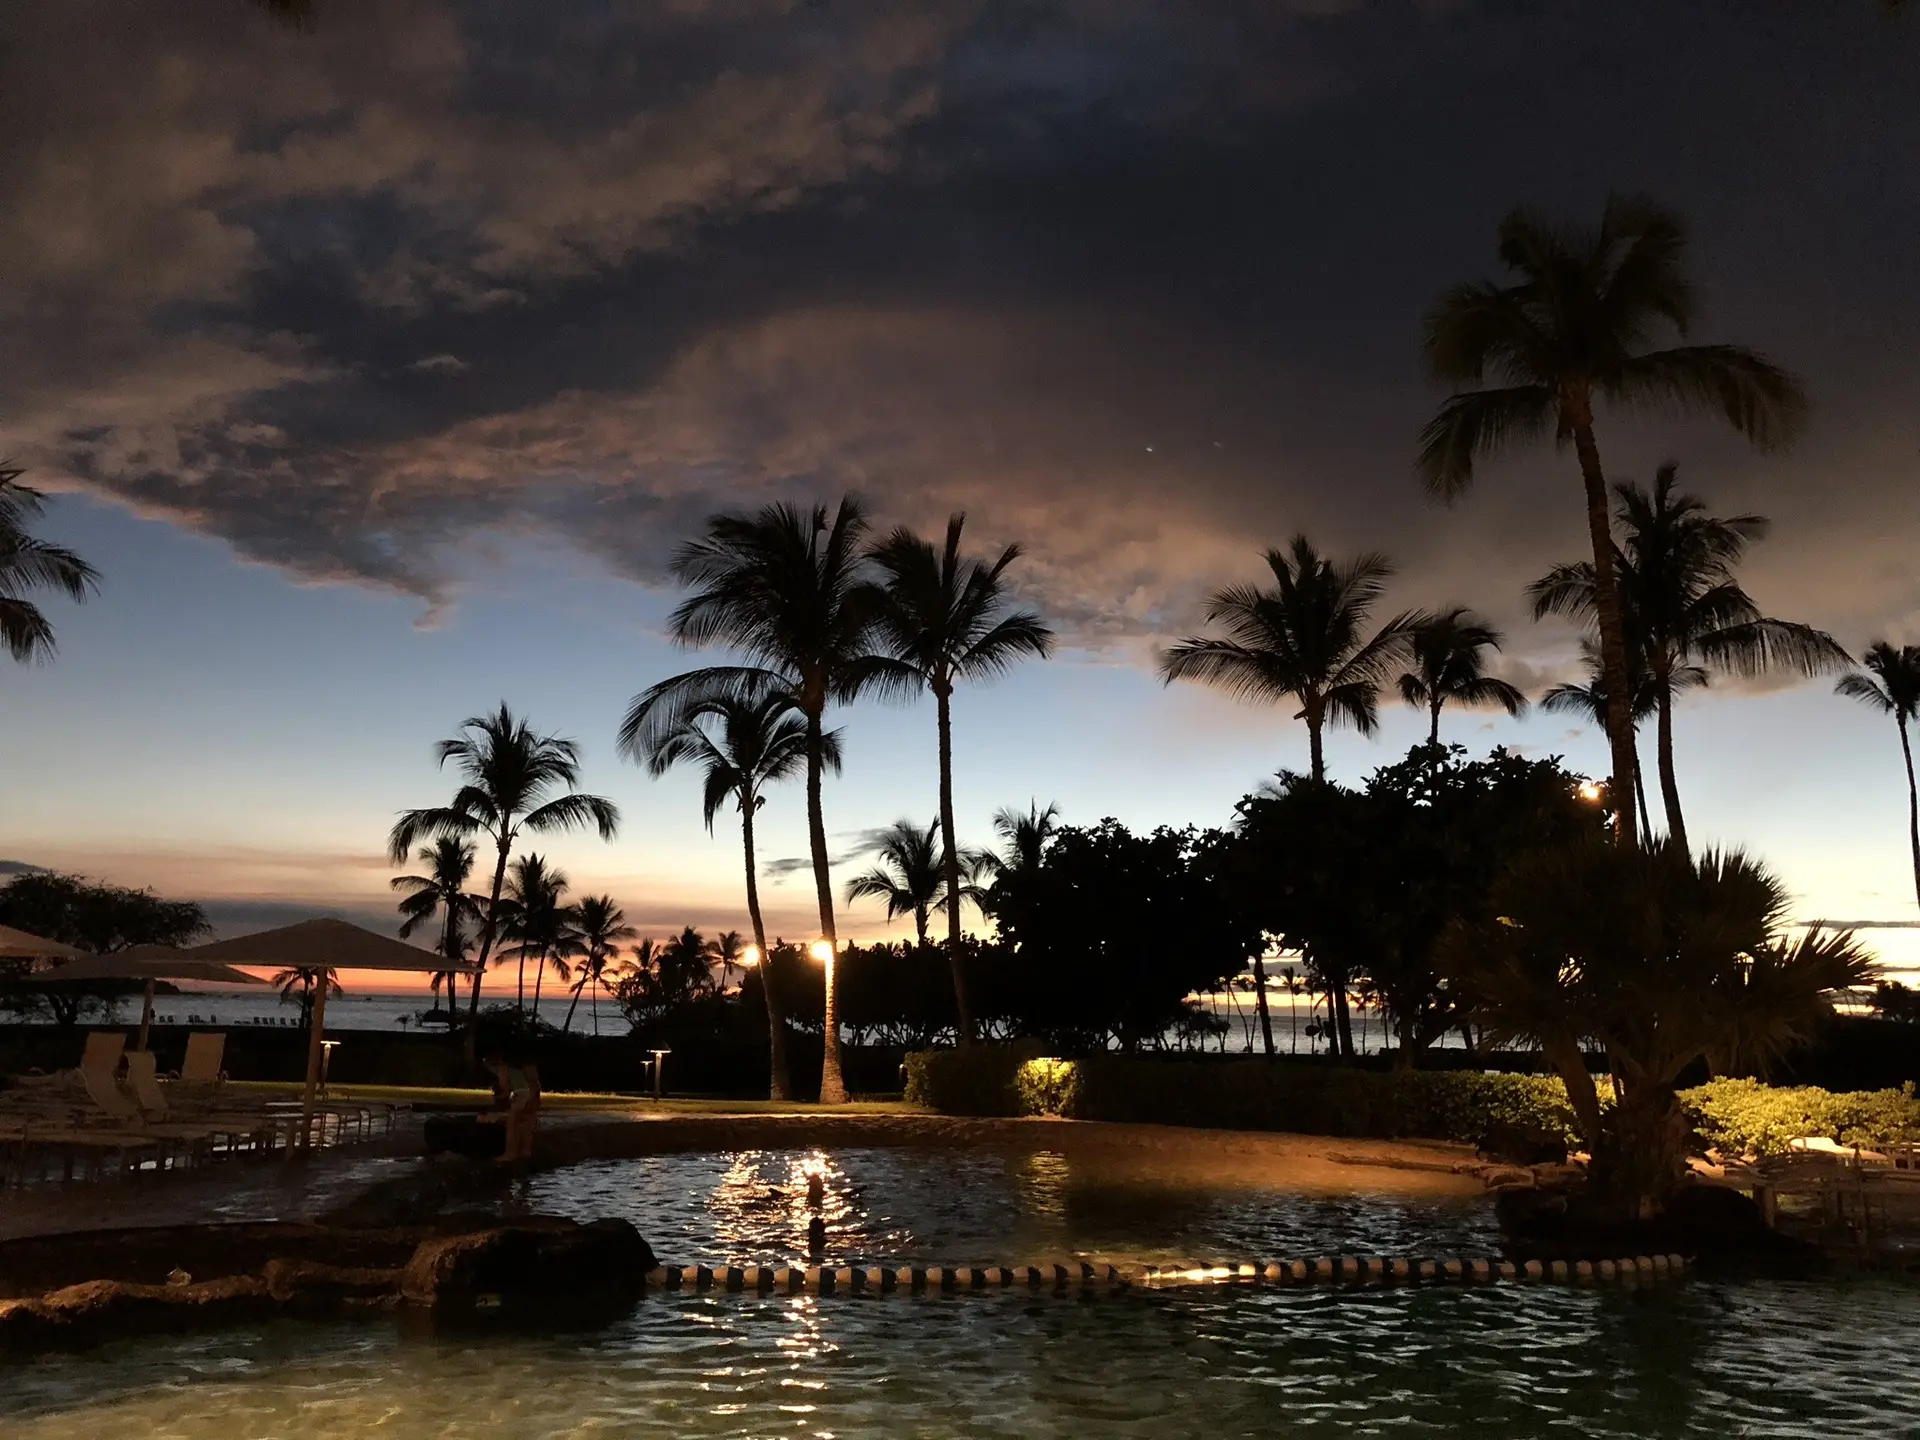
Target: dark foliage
pixel 90 916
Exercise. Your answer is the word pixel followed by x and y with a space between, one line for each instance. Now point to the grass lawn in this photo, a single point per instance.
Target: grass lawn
pixel 571 1101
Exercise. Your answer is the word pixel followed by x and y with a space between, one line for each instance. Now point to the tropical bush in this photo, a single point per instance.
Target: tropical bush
pixel 1237 1094
pixel 1737 1117
pixel 1745 1117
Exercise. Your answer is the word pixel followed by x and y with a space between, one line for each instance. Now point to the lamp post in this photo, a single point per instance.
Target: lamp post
pixel 658 1057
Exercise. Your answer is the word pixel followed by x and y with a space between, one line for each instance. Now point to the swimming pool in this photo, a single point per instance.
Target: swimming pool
pixel 1757 1358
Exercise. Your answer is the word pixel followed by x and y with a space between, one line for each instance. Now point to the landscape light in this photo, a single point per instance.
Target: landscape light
pixel 821 950
pixel 750 956
pixel 1590 792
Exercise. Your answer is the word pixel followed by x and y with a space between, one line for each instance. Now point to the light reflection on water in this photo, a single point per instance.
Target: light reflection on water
pixel 1761 1358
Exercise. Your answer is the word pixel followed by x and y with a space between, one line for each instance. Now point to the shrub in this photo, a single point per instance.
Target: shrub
pixel 1237 1094
pixel 1744 1117
pixel 975 1081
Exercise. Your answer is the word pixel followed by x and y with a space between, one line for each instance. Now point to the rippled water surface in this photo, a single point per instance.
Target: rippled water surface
pixel 1758 1358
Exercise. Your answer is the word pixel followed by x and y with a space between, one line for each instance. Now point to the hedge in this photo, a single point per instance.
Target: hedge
pixel 1739 1117
pixel 1744 1117
pixel 1237 1095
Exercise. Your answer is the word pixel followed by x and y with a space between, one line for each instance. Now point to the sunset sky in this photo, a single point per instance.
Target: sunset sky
pixel 379 368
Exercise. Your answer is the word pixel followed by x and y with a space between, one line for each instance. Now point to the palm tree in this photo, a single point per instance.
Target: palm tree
pixel 441 891
pixel 1588 701
pixel 785 588
pixel 743 745
pixel 1684 614
pixel 946 616
pixel 1571 331
pixel 509 776
pixel 1892 684
pixel 1448 653
pixel 26 565
pixel 728 949
pixel 296 988
pixel 684 966
pixel 1665 960
pixel 1025 836
pixel 601 926
pixel 535 919
pixel 1303 639
pixel 910 877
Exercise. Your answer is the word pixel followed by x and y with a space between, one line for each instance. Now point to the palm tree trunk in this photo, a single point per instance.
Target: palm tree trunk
pixel 486 946
pixel 962 1002
pixel 779 1086
pixel 520 996
pixel 1433 729
pixel 567 1024
pixel 1613 640
pixel 1669 787
pixel 539 974
pixel 833 1088
pixel 1646 811
pixel 1316 753
pixel 1342 1018
pixel 1913 805
pixel 1260 1003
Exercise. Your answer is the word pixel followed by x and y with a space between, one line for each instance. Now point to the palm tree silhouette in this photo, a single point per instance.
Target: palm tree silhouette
pixel 509 775
pixel 296 987
pixel 600 925
pixel 684 966
pixel 536 920
pixel 1449 663
pixel 441 891
pixel 1025 836
pixel 1588 701
pixel 1303 639
pixel 742 744
pixel 1571 331
pixel 946 615
pixel 785 588
pixel 26 565
pixel 910 877
pixel 1892 684
pixel 1683 611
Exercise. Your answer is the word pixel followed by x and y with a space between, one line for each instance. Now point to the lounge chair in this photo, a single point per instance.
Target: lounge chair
pixel 237 1125
pixel 206 1050
pixel 103 1050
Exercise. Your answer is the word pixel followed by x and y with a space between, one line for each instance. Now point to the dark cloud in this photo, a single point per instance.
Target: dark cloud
pixel 1136 282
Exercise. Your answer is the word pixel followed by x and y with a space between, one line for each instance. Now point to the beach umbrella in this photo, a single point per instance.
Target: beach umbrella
pixel 320 946
pixel 19 945
pixel 148 963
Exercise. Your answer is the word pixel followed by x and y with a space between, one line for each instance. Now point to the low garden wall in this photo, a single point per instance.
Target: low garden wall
pixel 1740 1117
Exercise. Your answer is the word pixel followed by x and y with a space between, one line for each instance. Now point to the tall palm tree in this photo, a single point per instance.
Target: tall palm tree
pixel 910 877
pixel 1588 701
pixel 1304 639
pixel 684 966
pixel 742 744
pixel 509 774
pixel 536 920
pixel 786 589
pixel 601 926
pixel 1570 331
pixel 26 565
pixel 947 616
pixel 1892 684
pixel 441 891
pixel 1684 612
pixel 1449 663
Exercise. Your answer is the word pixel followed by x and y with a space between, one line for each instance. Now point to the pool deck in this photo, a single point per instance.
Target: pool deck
pixel 576 1130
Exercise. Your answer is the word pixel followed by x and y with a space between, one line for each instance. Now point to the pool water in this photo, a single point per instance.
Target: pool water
pixel 1757 1358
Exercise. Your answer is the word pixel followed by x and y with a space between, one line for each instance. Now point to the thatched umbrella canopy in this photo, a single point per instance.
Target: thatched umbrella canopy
pixel 148 963
pixel 19 945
